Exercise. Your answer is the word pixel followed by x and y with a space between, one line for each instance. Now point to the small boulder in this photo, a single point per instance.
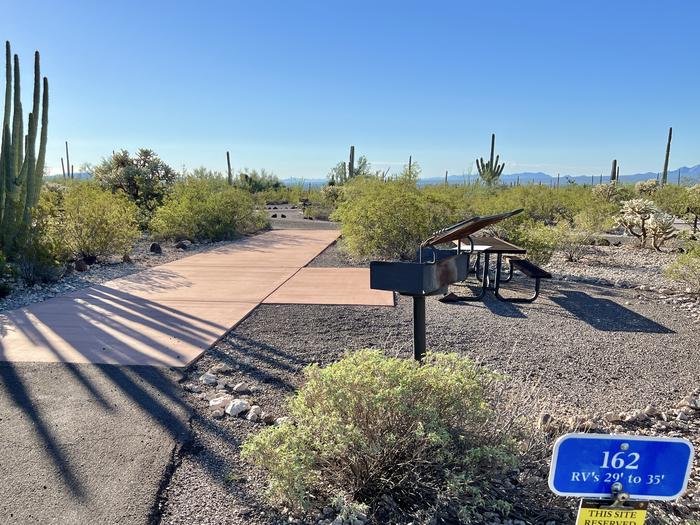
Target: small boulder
pixel 241 388
pixel 217 413
pixel 282 420
pixel 208 379
pixel 81 266
pixel 219 402
pixel 155 248
pixel 220 368
pixel 237 407
pixel 191 387
pixel 254 414
pixel 182 245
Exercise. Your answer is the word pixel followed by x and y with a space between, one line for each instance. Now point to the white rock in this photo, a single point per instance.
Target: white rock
pixel 241 388
pixel 208 379
pixel 220 401
pixel 254 414
pixel 282 420
pixel 237 406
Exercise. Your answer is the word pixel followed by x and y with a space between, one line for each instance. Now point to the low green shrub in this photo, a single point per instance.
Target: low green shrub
pixel 686 268
pixel 96 223
pixel 388 219
pixel 370 426
pixel 540 240
pixel 207 209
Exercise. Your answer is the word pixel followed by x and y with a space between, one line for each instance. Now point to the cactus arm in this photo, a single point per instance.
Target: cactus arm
pixel 41 158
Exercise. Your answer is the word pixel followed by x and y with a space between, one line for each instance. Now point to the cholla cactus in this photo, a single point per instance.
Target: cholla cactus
pixel 661 228
pixel 647 187
pixel 635 216
pixel 608 191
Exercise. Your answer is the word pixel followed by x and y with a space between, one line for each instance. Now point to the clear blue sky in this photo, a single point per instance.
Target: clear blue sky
pixel 289 85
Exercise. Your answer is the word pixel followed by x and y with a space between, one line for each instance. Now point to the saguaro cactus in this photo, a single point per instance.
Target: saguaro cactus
pixel 491 171
pixel 664 178
pixel 614 171
pixel 21 166
pixel 351 163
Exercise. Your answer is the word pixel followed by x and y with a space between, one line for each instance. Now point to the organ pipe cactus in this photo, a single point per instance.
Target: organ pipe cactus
pixel 21 165
pixel 490 172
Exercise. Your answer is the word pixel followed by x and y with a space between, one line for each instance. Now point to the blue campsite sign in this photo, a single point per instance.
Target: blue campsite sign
pixel 645 468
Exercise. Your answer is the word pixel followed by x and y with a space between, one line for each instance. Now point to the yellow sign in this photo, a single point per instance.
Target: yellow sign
pixel 601 513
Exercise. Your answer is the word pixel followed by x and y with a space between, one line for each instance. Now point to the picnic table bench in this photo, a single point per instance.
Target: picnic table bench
pixel 485 246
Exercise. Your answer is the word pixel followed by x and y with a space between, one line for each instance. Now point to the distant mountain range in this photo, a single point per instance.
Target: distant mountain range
pixel 686 173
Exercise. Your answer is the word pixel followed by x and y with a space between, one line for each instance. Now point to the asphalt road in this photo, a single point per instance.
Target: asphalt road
pixel 86 443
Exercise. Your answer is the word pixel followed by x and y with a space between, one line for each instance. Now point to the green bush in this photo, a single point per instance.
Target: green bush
pixel 388 219
pixel 539 240
pixel 686 268
pixel 255 181
pixel 96 223
pixel 371 425
pixel 210 209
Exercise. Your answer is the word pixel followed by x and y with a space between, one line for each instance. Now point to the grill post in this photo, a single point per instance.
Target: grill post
pixel 418 327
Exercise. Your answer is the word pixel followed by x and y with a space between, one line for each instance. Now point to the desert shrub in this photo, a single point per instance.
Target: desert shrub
pixel 371 425
pixel 145 179
pixel 320 212
pixel 572 241
pixel 538 239
pixel 199 209
pixel 41 254
pixel 686 268
pixel 693 205
pixel 388 219
pixel 97 223
pixel 256 181
pixel 672 199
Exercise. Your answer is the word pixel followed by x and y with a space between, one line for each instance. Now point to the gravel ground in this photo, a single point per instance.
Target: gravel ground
pixel 593 350
pixel 625 266
pixel 113 268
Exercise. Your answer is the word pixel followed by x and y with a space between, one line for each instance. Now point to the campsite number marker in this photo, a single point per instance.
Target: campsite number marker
pixel 627 471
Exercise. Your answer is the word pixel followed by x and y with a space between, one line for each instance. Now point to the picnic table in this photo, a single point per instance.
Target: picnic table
pixel 486 246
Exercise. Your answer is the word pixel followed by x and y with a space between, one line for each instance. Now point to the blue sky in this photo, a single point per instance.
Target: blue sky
pixel 566 86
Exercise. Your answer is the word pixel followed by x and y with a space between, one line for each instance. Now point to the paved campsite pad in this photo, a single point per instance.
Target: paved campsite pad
pixel 349 286
pixel 164 316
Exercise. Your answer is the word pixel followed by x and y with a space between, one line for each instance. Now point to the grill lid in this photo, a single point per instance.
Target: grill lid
pixel 464 229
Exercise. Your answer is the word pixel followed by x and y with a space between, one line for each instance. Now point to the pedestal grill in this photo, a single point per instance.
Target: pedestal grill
pixel 433 272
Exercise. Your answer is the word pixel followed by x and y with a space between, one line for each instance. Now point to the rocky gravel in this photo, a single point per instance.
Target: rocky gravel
pixel 139 259
pixel 623 266
pixel 599 356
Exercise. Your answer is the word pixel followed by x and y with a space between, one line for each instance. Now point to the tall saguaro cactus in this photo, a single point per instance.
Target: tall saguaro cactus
pixel 664 178
pixel 492 171
pixel 614 171
pixel 21 166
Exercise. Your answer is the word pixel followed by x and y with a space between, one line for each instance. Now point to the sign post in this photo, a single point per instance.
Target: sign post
pixel 617 475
